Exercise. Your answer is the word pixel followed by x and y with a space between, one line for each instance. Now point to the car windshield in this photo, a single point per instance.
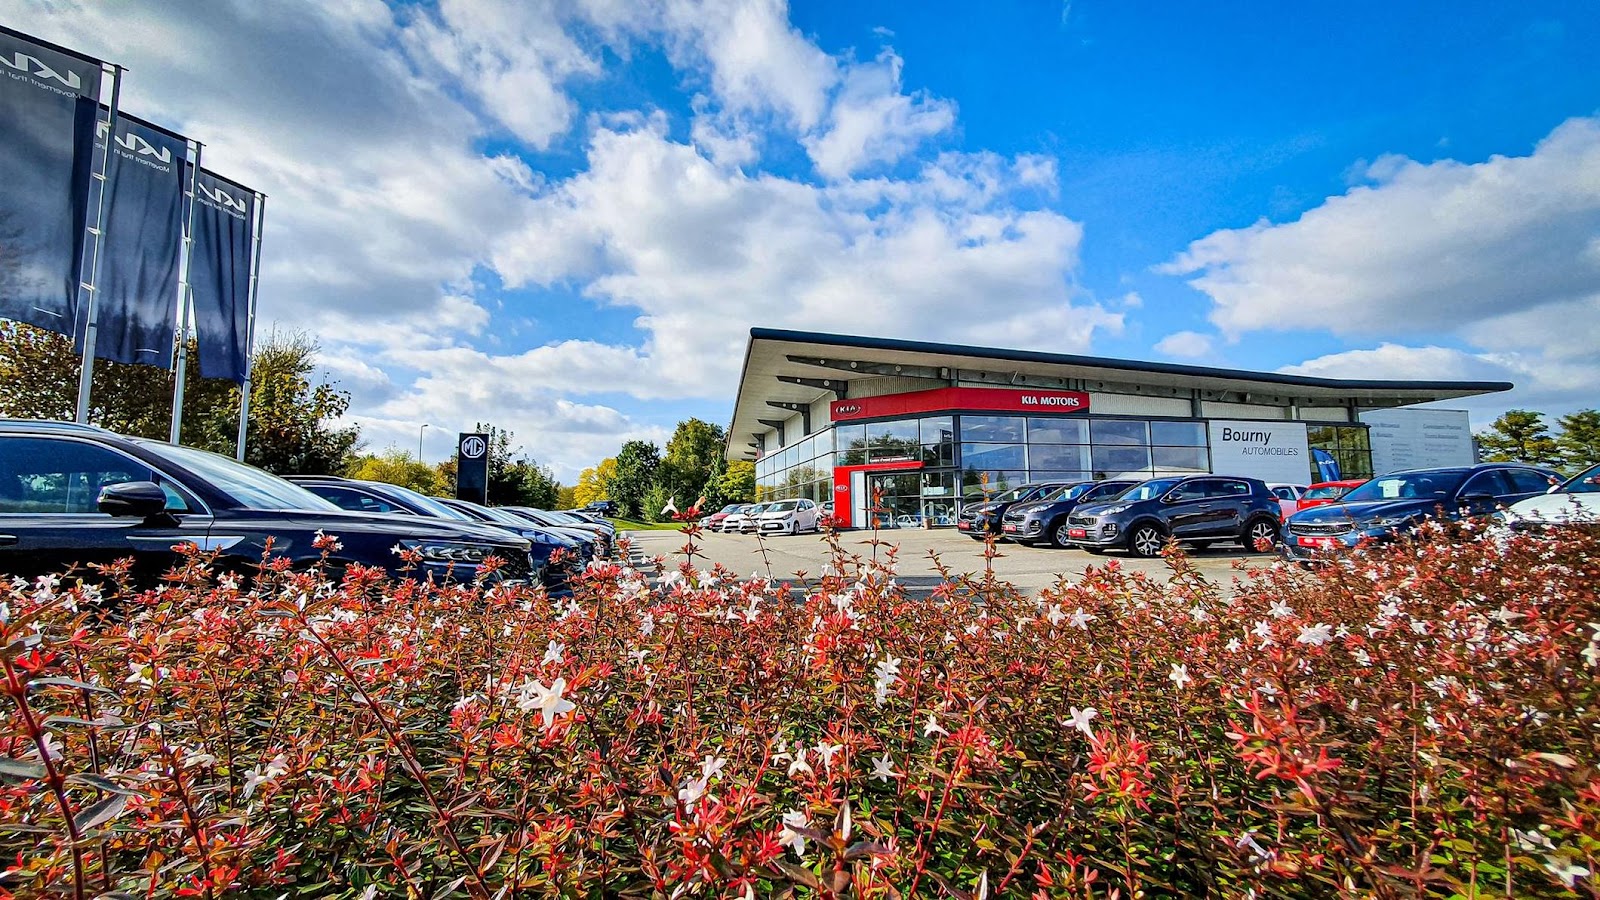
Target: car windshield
pixel 1327 492
pixel 785 506
pixel 1437 484
pixel 1585 482
pixel 251 487
pixel 1149 490
pixel 1071 492
pixel 428 504
pixel 731 508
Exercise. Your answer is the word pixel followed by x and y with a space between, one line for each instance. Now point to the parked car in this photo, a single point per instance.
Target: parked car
pixel 1324 492
pixel 980 519
pixel 1575 501
pixel 605 508
pixel 579 546
pixel 1196 509
pixel 1392 504
pixel 75 495
pixel 603 533
pixel 714 521
pixel 1288 498
pixel 383 498
pixel 825 514
pixel 788 517
pixel 737 520
pixel 1045 520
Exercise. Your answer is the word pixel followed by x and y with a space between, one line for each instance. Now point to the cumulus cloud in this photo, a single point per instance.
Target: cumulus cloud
pixel 872 121
pixel 1187 344
pixel 1503 254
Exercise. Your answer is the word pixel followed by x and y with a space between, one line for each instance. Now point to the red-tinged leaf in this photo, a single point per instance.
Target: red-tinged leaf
pixel 100 782
pixel 449 889
pixel 798 874
pixel 71 683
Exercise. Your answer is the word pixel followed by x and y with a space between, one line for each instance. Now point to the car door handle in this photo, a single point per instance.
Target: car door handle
pixel 1205 506
pixel 8 540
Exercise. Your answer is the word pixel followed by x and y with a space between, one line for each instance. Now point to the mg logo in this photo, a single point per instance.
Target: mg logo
pixel 473 447
pixel 30 65
pixel 223 199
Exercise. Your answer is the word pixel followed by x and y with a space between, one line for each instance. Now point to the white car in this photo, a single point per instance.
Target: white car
pixel 1288 498
pixel 1574 502
pixel 787 517
pixel 742 520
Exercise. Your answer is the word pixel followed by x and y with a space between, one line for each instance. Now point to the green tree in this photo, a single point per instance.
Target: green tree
pixel 1520 436
pixel 292 415
pixel 635 475
pixel 395 466
pixel 738 482
pixel 566 498
pixel 1579 440
pixel 690 460
pixel 594 483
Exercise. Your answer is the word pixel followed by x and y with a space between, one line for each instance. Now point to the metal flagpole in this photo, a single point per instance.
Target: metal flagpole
pixel 86 371
pixel 250 328
pixel 185 302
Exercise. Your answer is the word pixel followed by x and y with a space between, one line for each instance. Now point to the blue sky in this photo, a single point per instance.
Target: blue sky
pixel 563 217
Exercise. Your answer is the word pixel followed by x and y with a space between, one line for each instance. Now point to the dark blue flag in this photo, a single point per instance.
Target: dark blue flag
pixel 136 310
pixel 1327 465
pixel 219 274
pixel 48 99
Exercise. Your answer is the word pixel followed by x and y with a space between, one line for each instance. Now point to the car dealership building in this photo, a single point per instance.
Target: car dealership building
pixel 840 418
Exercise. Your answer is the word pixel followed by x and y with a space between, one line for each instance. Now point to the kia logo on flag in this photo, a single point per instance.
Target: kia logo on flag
pixel 223 199
pixel 473 447
pixel 22 62
pixel 137 145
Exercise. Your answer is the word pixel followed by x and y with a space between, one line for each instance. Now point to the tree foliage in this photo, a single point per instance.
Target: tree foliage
pixel 395 466
pixel 1579 440
pixel 691 460
pixel 1520 436
pixel 635 475
pixel 594 483
pixel 738 482
pixel 292 414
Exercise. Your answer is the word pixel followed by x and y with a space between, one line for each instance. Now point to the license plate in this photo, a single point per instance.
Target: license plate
pixel 1077 532
pixel 1317 542
pixel 1008 527
pixel 963 526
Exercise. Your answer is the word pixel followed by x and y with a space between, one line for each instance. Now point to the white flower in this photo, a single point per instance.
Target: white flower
pixel 800 764
pixel 1591 655
pixel 371 893
pixel 1233 645
pixel 254 777
pixel 1505 616
pixel 1081 619
pixel 647 625
pixel 1263 630
pixel 1055 615
pixel 1361 656
pixel 555 653
pixel 1315 635
pixel 932 727
pixel 691 793
pixel 1561 866
pixel 547 700
pixel 883 768
pixel 1281 610
pixel 671 509
pixel 1179 675
pixel 1080 719
pixel 711 767
pixel 638 656
pixel 828 751
pixel 788 837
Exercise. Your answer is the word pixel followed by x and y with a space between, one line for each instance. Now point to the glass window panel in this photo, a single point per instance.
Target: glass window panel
pixel 1178 434
pixel 1117 431
pixel 1181 459
pixel 992 428
pixel 993 456
pixel 939 430
pixel 1354 439
pixel 893 450
pixel 975 482
pixel 848 437
pixel 1113 461
pixel 939 454
pixel 1066 477
pixel 1058 431
pixel 1058 456
pixel 900 429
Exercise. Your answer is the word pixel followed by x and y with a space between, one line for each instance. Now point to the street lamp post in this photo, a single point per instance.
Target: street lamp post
pixel 419 440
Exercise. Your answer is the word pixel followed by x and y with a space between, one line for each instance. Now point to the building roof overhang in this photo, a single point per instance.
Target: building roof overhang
pixel 786 369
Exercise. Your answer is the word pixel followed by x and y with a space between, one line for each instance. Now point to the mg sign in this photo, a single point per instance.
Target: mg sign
pixel 472 467
pixel 958 399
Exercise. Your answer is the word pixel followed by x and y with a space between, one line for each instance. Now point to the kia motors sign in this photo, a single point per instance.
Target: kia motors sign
pixel 959 399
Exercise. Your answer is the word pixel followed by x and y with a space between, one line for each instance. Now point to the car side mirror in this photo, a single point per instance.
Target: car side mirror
pixel 139 499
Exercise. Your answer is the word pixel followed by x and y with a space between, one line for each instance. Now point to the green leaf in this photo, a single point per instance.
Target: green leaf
pixel 449 889
pixel 16 768
pixel 100 782
pixel 71 683
pixel 100 813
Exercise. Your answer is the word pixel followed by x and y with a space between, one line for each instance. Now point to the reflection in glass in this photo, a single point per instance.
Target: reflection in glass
pixel 1114 461
pixel 993 456
pixel 1058 456
pixel 1181 459
pixel 1118 431
pixel 1058 431
pixel 1178 434
pixel 992 428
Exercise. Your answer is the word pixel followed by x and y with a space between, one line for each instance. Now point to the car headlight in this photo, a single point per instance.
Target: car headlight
pixel 1113 510
pixel 449 552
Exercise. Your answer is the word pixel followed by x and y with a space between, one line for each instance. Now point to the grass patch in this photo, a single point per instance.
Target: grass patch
pixel 631 525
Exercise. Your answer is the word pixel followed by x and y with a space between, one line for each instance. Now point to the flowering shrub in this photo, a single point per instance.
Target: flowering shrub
pixel 1418 719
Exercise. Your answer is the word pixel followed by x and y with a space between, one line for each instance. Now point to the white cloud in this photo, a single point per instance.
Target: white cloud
pixel 872 122
pixel 1187 344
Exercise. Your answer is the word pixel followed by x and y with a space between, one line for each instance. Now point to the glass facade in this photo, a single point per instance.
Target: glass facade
pixel 964 457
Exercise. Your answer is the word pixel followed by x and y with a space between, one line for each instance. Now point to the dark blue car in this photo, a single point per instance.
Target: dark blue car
pixel 1392 504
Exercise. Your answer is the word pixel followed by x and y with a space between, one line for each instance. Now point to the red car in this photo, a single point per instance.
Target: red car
pixel 713 522
pixel 1324 492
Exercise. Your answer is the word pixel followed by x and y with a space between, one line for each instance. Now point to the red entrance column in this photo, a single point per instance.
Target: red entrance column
pixel 843 505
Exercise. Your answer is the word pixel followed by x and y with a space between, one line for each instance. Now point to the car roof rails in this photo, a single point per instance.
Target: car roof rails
pixel 52 425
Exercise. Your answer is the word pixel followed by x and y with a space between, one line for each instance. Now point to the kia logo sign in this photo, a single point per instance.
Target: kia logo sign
pixel 841 489
pixel 31 65
pixel 473 447
pixel 845 409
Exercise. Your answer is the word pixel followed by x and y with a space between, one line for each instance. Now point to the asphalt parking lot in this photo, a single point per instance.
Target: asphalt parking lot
pixel 1029 568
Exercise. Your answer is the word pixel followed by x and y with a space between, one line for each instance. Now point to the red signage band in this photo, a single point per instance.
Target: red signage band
pixel 959 398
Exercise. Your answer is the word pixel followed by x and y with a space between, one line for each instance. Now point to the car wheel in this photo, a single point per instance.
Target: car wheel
pixel 1261 530
pixel 1146 541
pixel 1058 534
